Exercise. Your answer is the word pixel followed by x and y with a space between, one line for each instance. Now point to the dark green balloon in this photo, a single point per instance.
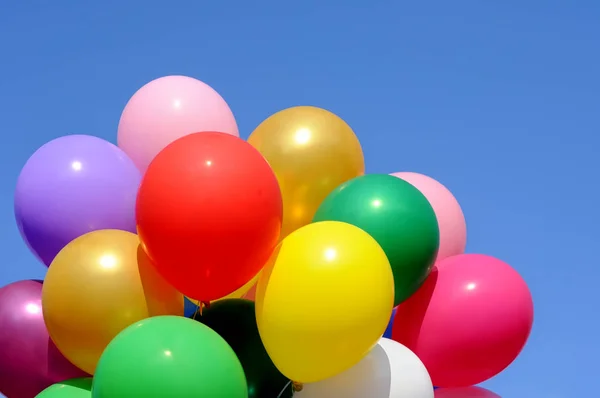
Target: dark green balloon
pixel 73 388
pixel 235 321
pixel 400 219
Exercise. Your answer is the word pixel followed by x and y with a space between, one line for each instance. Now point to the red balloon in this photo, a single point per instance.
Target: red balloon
pixel 469 320
pixel 209 212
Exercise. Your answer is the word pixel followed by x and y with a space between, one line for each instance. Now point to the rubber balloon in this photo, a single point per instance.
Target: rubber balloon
pixel 485 311
pixel 74 388
pixel 29 360
pixel 168 356
pixel 235 322
pixel 99 284
pixel 312 151
pixel 389 371
pixel 450 217
pixel 209 214
pixel 314 273
pixel 465 392
pixel 400 219
pixel 71 186
pixel 169 108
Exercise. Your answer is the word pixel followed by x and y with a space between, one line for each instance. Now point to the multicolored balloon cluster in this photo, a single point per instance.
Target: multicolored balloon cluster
pixel 188 262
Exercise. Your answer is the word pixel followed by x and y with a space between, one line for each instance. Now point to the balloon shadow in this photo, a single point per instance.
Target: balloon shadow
pixel 57 365
pixel 415 312
pixel 157 297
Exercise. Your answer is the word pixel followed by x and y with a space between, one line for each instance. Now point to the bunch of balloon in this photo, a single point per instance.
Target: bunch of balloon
pixel 188 262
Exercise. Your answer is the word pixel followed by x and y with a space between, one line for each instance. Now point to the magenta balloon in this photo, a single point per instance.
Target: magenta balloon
pixel 468 321
pixel 29 361
pixel 465 392
pixel 73 185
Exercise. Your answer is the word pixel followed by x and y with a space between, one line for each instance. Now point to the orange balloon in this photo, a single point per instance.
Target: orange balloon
pixel 99 284
pixel 311 151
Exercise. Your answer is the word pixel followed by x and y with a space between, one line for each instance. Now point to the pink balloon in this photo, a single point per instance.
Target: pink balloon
pixel 29 361
pixel 451 220
pixel 169 108
pixel 465 392
pixel 469 320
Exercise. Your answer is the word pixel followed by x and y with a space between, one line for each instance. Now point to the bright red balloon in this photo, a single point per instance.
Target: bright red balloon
pixel 209 213
pixel 468 321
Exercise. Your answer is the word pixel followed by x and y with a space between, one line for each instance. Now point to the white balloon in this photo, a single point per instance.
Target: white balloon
pixel 390 370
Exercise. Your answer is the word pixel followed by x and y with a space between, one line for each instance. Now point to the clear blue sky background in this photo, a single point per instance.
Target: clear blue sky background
pixel 499 100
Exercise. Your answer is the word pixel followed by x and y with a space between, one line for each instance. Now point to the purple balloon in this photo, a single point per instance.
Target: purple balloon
pixel 71 186
pixel 29 361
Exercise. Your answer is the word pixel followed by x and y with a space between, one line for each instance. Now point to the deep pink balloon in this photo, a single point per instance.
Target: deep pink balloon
pixel 29 361
pixel 469 320
pixel 465 392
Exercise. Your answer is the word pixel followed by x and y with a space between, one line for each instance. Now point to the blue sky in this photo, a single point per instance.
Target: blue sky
pixel 497 100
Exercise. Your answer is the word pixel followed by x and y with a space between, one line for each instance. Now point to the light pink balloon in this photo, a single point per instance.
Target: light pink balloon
pixel 466 392
pixel 468 321
pixel 169 108
pixel 451 220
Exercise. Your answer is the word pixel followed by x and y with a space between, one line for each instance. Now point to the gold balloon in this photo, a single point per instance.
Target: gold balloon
pixel 99 284
pixel 311 151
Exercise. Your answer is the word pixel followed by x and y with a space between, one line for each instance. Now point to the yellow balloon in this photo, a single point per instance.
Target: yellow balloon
pixel 240 293
pixel 99 284
pixel 323 300
pixel 311 151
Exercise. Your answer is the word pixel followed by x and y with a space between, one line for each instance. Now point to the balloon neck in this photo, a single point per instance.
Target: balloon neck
pixel 200 307
pixel 296 386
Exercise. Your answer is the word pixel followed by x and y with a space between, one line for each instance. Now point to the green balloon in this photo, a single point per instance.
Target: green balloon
pixel 235 321
pixel 169 356
pixel 398 216
pixel 73 388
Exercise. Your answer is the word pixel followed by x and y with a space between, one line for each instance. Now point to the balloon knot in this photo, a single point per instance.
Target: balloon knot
pixel 206 304
pixel 297 386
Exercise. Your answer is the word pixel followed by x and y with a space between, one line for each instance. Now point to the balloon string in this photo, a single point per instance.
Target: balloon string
pixel 199 306
pixel 284 388
pixel 197 310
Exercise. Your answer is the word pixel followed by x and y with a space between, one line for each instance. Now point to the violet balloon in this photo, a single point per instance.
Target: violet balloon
pixel 73 185
pixel 29 361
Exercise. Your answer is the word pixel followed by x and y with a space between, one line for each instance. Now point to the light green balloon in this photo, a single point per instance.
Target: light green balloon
pixel 169 356
pixel 74 388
